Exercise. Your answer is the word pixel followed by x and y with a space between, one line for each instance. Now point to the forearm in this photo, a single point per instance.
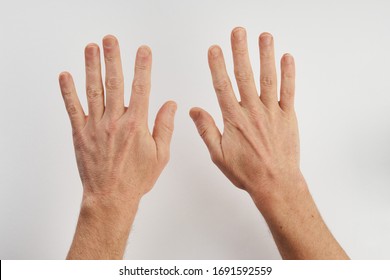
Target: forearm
pixel 103 228
pixel 297 226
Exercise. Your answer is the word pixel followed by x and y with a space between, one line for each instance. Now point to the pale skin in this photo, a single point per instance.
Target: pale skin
pixel 119 160
pixel 259 147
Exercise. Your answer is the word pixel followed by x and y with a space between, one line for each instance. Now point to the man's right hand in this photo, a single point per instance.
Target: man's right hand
pixel 259 148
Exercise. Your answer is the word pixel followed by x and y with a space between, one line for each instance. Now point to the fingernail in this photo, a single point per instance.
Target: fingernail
pixel 173 108
pixel 143 51
pixel 288 59
pixel 214 51
pixel 108 41
pixel 63 77
pixel 239 33
pixel 92 49
pixel 266 39
pixel 194 115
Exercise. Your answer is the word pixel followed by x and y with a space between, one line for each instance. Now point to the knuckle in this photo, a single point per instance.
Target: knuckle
pixel 266 54
pixel 215 158
pixel 287 75
pixel 222 85
pixel 240 126
pixel 66 93
pixel 111 128
pixel 168 129
pixel 133 124
pixel 202 131
pixel 93 136
pixel 285 92
pixel 114 83
pixel 243 76
pixel 90 68
pixel 266 81
pixel 94 93
pixel 230 112
pixel 109 58
pixel 141 67
pixel 240 51
pixel 139 88
pixel 71 109
pixel 254 113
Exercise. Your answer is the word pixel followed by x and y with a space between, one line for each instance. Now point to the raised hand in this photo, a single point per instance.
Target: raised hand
pixel 259 147
pixel 118 159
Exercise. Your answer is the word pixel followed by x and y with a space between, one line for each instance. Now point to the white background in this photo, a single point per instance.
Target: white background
pixel 342 52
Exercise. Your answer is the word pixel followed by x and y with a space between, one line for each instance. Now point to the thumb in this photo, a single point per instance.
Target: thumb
pixel 163 128
pixel 208 131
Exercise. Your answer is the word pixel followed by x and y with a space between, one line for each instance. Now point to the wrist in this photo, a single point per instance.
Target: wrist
pixel 103 226
pixel 109 213
pixel 281 192
pixel 109 205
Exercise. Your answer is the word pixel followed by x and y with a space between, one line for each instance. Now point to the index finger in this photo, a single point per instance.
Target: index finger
pixel 222 85
pixel 139 100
